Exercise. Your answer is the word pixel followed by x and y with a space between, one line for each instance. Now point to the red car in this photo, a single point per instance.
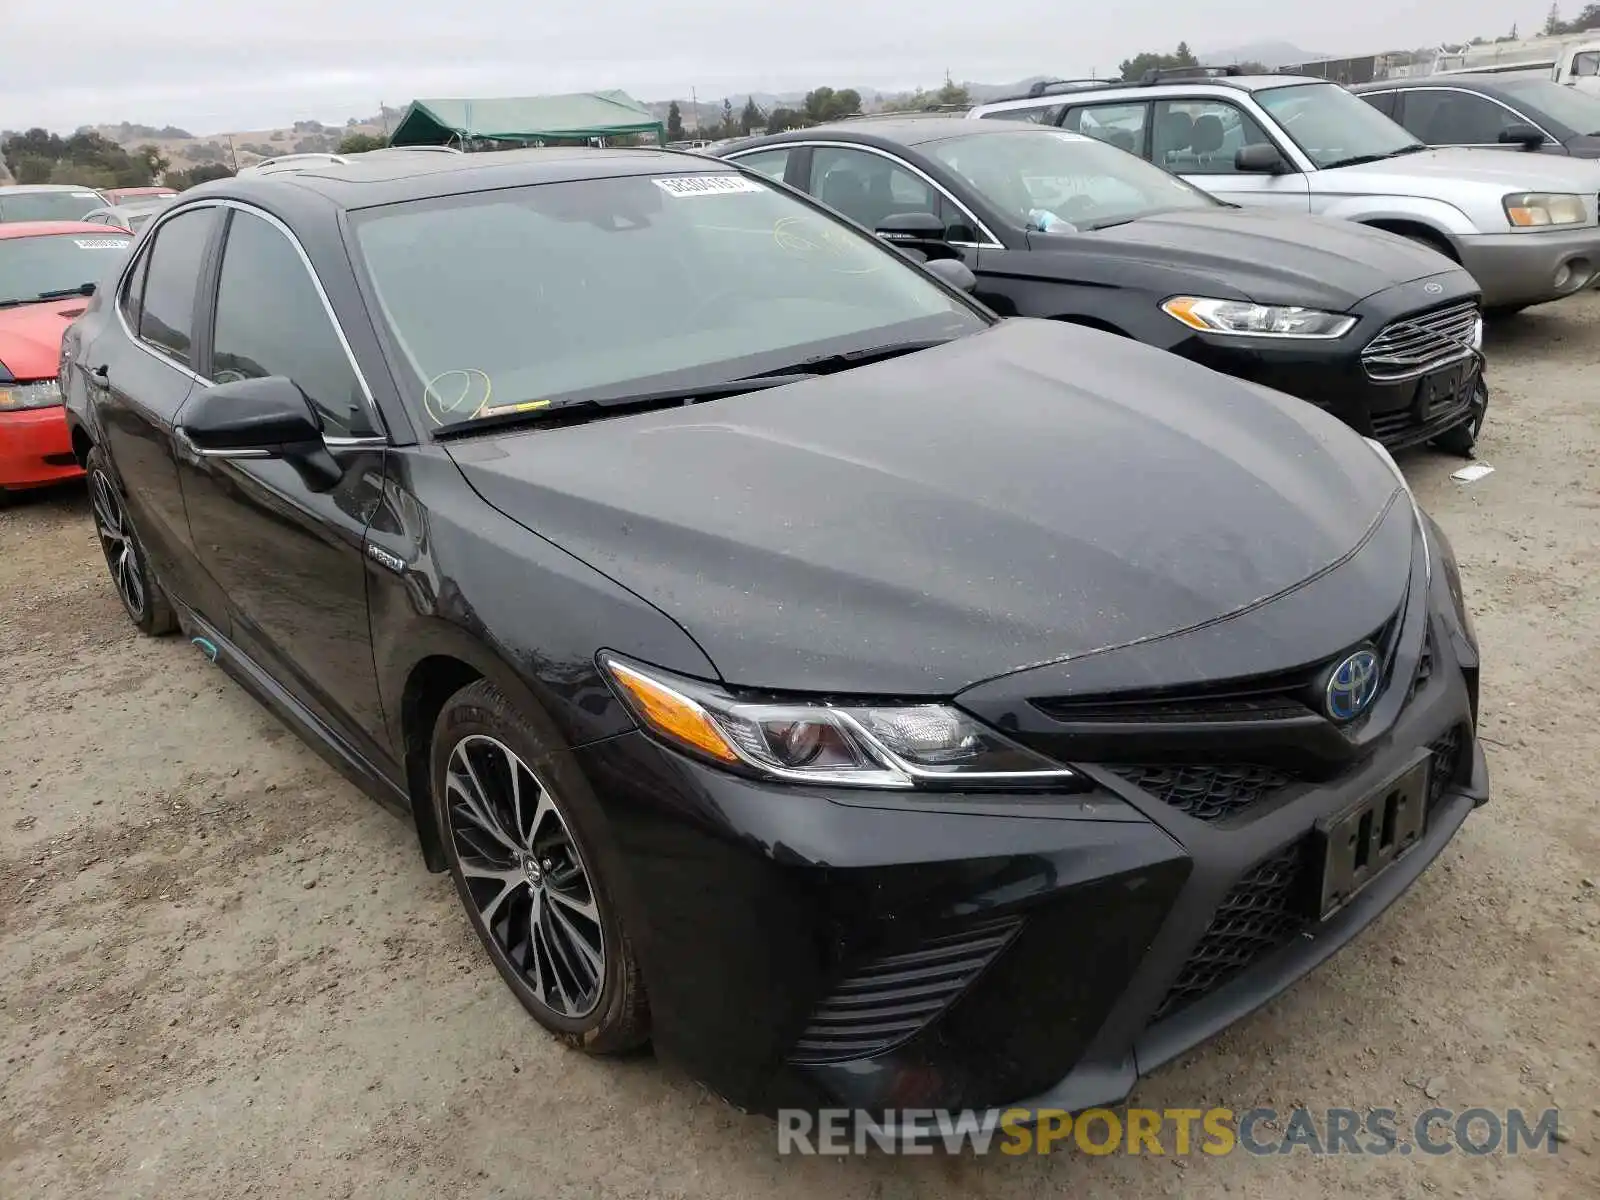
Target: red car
pixel 48 271
pixel 123 195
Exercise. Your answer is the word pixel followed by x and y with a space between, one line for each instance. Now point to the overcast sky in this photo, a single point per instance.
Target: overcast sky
pixel 215 65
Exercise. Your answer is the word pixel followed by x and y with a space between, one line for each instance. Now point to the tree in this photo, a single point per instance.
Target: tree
pixel 360 143
pixel 825 104
pixel 674 122
pixel 729 126
pixel 1252 67
pixel 1552 23
pixel 752 118
pixel 1133 69
pixel 781 118
pixel 153 159
pixel 1588 19
pixel 952 94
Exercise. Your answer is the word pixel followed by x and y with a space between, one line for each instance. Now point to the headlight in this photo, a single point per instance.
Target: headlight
pixel 1382 452
pixel 1259 320
pixel 880 746
pixel 1477 334
pixel 44 394
pixel 1532 210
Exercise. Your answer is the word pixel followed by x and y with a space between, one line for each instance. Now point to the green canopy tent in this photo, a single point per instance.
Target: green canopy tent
pixel 528 119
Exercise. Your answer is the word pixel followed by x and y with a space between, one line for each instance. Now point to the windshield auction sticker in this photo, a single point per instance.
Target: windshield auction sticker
pixel 100 243
pixel 706 185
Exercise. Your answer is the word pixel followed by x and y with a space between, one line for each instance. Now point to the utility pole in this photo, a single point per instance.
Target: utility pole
pixel 694 103
pixel 383 115
pixel 233 155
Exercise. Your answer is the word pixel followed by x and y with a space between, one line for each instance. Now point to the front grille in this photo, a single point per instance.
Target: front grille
pixel 1257 916
pixel 1404 425
pixel 1266 704
pixel 891 999
pixel 1206 791
pixel 1418 343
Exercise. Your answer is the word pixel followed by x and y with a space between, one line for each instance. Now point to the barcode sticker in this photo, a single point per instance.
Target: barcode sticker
pixel 706 185
pixel 100 243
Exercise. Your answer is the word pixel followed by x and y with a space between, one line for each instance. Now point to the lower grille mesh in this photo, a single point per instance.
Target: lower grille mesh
pixel 892 998
pixel 1257 916
pixel 1447 756
pixel 1206 791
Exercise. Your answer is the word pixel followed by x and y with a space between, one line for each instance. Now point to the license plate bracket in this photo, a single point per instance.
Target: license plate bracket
pixel 1362 841
pixel 1440 390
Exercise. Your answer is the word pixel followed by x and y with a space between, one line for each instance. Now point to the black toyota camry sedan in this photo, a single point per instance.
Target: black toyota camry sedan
pixel 868 700
pixel 1382 332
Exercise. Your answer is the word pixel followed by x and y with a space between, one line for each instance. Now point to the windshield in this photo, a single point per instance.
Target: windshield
pixel 1578 111
pixel 532 297
pixel 33 268
pixel 1040 178
pixel 1332 126
pixel 48 206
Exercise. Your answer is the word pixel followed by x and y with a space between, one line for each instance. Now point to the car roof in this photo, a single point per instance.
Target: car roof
pixel 904 131
pixel 48 187
pixel 22 229
pixel 364 181
pixel 1487 81
pixel 1075 90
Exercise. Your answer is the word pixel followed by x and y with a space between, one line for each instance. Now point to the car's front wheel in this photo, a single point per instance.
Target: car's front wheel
pixel 1462 440
pixel 523 852
pixel 141 596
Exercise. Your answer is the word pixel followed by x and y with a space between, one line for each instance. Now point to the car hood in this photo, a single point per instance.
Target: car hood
pixel 1433 172
pixel 30 336
pixel 914 526
pixel 1270 257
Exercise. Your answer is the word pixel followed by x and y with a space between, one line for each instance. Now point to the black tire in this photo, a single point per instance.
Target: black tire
pixel 1462 440
pixel 555 869
pixel 135 583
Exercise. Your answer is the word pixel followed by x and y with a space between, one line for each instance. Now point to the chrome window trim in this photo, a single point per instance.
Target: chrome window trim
pixel 150 235
pixel 142 255
pixel 1549 140
pixel 993 243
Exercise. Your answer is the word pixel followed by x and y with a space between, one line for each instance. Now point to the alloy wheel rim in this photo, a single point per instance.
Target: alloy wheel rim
pixel 530 888
pixel 111 523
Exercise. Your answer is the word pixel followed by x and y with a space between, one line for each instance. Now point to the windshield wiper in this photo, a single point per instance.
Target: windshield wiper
pixel 577 411
pixel 1357 160
pixel 828 364
pixel 83 289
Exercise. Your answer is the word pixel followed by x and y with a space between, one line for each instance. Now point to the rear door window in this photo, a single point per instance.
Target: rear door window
pixel 166 314
pixel 1384 102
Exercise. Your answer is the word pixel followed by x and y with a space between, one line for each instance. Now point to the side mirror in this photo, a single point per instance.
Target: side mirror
pixel 1519 133
pixel 1260 158
pixel 911 227
pixel 268 417
pixel 954 272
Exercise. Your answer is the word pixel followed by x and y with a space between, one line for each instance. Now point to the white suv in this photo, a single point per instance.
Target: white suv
pixel 1526 226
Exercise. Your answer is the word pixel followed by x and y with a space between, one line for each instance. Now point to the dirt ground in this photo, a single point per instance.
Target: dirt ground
pixel 224 972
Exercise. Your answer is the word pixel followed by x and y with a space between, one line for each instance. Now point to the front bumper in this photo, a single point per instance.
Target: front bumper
pixel 35 448
pixel 1330 374
pixel 798 946
pixel 1526 268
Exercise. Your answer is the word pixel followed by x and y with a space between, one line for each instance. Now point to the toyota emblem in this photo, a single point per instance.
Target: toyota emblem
pixel 1433 289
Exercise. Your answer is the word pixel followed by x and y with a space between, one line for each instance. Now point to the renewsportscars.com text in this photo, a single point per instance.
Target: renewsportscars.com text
pixel 1150 1131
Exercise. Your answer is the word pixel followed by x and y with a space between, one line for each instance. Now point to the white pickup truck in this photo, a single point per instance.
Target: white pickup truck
pixel 1572 61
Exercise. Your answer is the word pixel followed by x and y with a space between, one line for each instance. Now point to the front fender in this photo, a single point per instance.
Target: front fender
pixel 1444 219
